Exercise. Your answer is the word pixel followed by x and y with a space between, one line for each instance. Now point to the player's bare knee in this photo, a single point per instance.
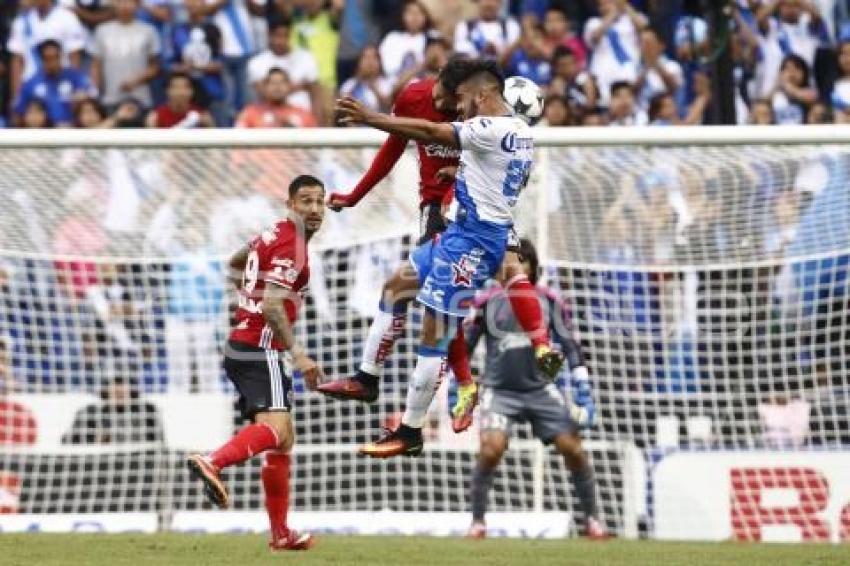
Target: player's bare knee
pixel 569 445
pixel 493 446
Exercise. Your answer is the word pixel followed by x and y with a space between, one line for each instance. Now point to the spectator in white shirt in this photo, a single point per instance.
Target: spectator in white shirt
pixel 404 49
pixel 488 35
pixel 798 29
pixel 613 39
pixel 623 109
pixel 41 21
pixel 657 74
pixel 125 56
pixel 368 85
pixel 793 93
pixel 299 65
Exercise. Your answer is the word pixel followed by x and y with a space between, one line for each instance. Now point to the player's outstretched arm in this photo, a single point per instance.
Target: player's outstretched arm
pixel 384 161
pixel 274 311
pixel 352 112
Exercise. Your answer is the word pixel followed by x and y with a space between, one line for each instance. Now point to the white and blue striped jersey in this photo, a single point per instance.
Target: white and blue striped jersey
pixel 495 161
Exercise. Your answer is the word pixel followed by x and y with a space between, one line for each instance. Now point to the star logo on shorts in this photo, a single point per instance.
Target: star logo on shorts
pixel 462 272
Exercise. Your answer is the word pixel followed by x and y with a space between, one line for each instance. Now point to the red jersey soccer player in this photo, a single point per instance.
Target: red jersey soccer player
pixel 272 270
pixel 434 100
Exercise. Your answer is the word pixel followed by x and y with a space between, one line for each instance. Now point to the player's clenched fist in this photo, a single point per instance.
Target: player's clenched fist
pixel 309 369
pixel 338 201
pixel 351 111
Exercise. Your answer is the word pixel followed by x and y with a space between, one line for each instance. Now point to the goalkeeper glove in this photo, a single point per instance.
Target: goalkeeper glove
pixel 582 406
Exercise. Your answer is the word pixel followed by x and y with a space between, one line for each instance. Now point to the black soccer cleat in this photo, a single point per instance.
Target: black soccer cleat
pixel 403 441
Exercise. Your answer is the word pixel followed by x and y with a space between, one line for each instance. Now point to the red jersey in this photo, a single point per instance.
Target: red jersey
pixel 416 101
pixel 277 256
pixel 168 118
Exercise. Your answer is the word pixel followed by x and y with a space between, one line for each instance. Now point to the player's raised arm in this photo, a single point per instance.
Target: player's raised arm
pixel 352 112
pixel 386 158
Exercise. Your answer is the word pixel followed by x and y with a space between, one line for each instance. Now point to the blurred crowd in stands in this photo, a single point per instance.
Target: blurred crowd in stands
pixel 280 63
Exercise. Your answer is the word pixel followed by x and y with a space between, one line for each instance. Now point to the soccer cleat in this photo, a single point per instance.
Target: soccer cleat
pixel 362 387
pixel 549 361
pixel 467 398
pixel 292 540
pixel 404 440
pixel 477 530
pixel 202 469
pixel 595 530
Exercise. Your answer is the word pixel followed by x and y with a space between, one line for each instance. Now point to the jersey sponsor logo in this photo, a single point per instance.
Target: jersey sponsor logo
pixel 463 271
pixel 441 151
pixel 514 341
pixel 511 143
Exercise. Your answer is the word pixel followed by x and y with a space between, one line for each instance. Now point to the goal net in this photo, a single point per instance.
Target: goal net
pixel 707 283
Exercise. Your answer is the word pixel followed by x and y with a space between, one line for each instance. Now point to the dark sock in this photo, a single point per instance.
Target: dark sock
pixel 479 491
pixel 409 432
pixel 367 379
pixel 585 484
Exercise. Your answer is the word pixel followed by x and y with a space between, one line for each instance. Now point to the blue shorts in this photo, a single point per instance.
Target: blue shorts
pixel 453 266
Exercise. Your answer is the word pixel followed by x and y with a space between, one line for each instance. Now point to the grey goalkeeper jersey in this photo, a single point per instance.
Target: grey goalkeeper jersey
pixel 509 361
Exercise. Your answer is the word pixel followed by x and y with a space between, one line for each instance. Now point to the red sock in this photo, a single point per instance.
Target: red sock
pixel 459 359
pixel 248 442
pixel 275 475
pixel 526 307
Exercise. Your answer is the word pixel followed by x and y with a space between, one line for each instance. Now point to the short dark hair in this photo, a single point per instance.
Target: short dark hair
pixel 562 51
pixel 655 104
pixel 654 31
pixel 453 73
pixel 486 70
pixel 174 75
pixel 280 22
pixel 527 252
pixel 277 71
pixel 620 85
pixel 46 44
pixel 302 181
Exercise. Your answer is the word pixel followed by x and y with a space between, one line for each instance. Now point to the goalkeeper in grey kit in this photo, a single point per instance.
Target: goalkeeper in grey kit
pixel 513 390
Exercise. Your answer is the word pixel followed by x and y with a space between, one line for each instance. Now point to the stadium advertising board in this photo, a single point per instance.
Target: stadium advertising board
pixel 516 525
pixel 79 523
pixel 753 496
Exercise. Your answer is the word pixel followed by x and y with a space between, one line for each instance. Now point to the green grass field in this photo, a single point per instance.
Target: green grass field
pixel 244 550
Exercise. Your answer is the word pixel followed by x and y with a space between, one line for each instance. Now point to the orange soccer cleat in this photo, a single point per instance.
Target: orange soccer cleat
pixel 594 529
pixel 202 469
pixel 292 540
pixel 361 387
pixel 477 530
pixel 404 440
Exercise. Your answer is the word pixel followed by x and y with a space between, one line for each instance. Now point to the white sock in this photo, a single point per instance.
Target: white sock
pixel 421 389
pixel 383 332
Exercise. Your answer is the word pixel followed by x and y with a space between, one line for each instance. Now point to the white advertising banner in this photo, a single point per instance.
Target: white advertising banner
pixel 518 525
pixel 753 496
pixel 79 523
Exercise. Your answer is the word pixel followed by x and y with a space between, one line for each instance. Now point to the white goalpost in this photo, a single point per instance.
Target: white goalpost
pixel 706 271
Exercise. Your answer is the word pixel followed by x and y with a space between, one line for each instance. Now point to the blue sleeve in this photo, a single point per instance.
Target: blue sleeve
pixel 23 99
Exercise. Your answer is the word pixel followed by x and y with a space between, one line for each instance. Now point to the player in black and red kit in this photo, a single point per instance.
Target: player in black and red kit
pixel 432 99
pixel 261 352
